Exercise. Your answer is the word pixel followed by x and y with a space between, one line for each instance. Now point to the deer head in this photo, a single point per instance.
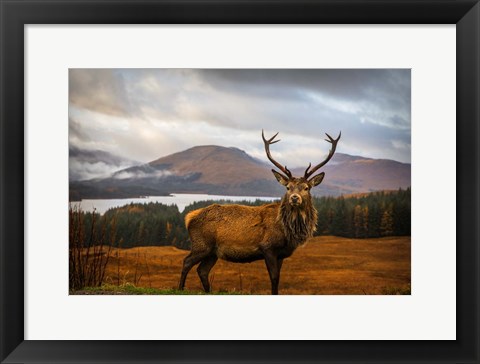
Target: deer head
pixel 298 188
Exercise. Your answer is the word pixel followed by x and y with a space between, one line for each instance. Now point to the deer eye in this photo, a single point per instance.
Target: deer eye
pixel 288 188
pixel 307 188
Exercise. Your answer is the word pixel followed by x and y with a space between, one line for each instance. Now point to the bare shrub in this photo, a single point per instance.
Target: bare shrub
pixel 89 248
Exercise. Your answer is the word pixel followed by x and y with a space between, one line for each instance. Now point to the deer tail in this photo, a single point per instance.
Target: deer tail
pixel 190 216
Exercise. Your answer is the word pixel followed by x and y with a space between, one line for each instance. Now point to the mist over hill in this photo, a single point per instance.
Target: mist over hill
pixel 230 171
pixel 87 164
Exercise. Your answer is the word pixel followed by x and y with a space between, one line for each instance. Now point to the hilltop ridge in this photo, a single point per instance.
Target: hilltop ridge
pixel 221 170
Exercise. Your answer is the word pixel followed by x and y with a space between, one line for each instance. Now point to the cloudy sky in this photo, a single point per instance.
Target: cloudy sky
pixel 144 114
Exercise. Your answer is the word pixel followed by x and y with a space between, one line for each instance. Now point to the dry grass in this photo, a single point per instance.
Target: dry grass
pixel 325 265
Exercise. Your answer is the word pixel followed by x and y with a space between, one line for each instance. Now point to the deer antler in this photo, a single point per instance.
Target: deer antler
pixel 330 155
pixel 267 150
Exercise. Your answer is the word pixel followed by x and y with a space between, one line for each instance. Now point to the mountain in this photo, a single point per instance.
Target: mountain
pixel 355 174
pixel 217 165
pixel 230 171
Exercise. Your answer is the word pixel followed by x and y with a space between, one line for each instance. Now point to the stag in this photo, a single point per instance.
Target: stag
pixel 244 234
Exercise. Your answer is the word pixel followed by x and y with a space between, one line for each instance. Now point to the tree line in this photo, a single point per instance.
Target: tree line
pixel 367 216
pixel 154 224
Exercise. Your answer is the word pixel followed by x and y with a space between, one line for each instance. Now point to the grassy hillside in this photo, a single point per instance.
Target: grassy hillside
pixel 326 265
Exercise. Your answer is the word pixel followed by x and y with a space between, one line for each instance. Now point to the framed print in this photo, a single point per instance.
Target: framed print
pixel 158 102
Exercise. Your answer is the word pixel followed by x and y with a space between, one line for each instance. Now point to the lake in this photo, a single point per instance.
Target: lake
pixel 181 200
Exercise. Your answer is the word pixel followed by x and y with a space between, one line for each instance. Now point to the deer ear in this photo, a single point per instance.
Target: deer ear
pixel 281 179
pixel 315 181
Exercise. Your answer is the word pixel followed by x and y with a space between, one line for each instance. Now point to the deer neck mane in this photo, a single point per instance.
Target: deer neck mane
pixel 299 223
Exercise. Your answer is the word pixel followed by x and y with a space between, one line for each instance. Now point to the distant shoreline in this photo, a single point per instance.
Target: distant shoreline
pixel 181 200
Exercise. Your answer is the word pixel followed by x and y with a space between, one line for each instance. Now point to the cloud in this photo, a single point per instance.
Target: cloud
pixel 141 174
pixel 82 170
pixel 86 164
pixel 144 114
pixel 100 90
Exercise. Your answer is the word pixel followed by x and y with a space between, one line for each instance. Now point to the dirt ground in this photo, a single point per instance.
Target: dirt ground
pixel 326 265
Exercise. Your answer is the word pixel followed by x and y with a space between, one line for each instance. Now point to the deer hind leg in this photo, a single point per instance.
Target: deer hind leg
pixel 204 269
pixel 189 261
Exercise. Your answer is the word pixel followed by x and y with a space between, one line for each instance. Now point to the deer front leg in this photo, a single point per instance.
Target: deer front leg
pixel 273 266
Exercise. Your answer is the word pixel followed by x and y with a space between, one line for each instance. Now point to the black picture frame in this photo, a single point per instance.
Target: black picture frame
pixel 15 14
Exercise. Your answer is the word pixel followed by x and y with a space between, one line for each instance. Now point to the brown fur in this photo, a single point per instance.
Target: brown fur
pixel 190 216
pixel 244 234
pixel 298 225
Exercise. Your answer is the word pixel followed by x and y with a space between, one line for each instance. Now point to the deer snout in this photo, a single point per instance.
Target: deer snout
pixel 295 199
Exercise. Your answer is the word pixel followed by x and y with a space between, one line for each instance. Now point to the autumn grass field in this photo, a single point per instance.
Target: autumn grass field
pixel 326 265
